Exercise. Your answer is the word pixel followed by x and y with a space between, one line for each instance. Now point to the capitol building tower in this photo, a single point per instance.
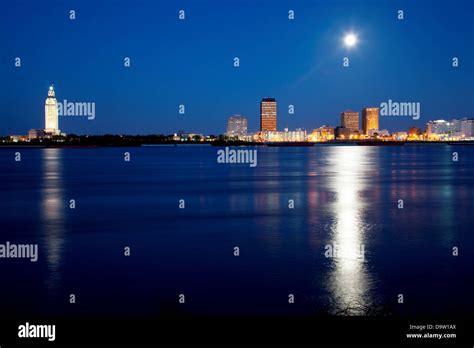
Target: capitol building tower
pixel 51 113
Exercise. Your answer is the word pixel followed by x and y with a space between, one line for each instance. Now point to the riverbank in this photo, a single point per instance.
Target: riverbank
pixel 230 143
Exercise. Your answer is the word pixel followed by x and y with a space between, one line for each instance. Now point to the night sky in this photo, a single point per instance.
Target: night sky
pixel 190 62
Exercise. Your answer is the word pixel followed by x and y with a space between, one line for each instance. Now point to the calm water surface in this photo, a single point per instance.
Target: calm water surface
pixel 345 196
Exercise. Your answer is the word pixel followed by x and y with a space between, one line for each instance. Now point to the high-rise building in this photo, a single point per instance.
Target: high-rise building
pixel 237 126
pixel 370 120
pixel 51 122
pixel 268 115
pixel 350 120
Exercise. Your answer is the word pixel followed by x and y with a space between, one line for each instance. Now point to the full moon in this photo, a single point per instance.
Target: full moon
pixel 350 40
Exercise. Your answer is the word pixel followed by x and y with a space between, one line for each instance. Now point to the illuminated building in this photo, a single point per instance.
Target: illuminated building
pixel 414 131
pixel 323 133
pixel 400 136
pixel 297 135
pixel 378 133
pixel 350 120
pixel 17 138
pixel 456 129
pixel 268 115
pixel 370 119
pixel 272 136
pixel 443 130
pixel 437 127
pixel 35 134
pixel 236 126
pixel 467 128
pixel 327 133
pixel 51 122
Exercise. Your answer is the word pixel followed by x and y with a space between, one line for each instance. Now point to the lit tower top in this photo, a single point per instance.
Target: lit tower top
pixel 51 92
pixel 51 113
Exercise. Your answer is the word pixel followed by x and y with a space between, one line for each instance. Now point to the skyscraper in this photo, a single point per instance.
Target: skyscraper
pixel 350 120
pixel 268 114
pixel 236 126
pixel 370 119
pixel 51 113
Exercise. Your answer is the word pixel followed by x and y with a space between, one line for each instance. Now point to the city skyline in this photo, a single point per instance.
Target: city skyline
pixel 208 167
pixel 351 126
pixel 299 62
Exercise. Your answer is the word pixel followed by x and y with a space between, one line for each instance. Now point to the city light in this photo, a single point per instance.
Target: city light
pixel 352 128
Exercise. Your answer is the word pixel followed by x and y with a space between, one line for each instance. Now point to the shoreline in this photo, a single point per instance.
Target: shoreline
pixel 235 144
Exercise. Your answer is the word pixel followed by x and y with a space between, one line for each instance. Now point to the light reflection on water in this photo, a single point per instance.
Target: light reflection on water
pixel 343 195
pixel 52 208
pixel 349 279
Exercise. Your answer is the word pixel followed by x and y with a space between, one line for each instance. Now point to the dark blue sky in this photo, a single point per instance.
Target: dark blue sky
pixel 191 62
